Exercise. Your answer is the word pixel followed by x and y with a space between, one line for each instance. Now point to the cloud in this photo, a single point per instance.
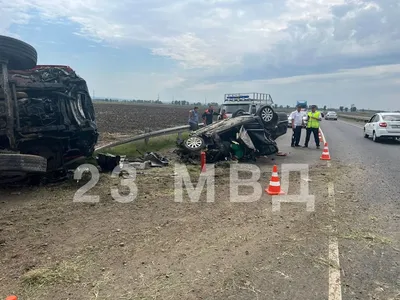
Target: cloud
pixel 214 34
pixel 245 42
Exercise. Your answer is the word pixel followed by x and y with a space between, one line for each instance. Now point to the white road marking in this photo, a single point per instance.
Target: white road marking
pixel 354 125
pixel 335 286
pixel 323 136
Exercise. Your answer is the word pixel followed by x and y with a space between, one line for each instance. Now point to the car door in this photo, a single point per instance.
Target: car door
pixel 374 123
pixel 369 126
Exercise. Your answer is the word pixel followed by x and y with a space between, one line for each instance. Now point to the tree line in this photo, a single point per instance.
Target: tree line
pixel 352 108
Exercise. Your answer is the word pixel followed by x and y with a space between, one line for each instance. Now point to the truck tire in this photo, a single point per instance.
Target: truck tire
pixel 22 163
pixel 20 55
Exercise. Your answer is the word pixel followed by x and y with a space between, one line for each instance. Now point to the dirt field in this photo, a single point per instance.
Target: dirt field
pixel 154 247
pixel 119 120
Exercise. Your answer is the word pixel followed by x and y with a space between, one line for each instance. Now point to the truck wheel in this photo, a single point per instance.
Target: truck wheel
pixel 22 163
pixel 267 115
pixel 20 55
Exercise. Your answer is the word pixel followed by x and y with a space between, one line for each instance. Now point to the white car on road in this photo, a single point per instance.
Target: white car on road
pixel 331 115
pixel 383 126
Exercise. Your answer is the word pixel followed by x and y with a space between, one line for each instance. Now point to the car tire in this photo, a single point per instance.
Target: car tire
pixel 374 137
pixel 22 163
pixel 20 55
pixel 194 143
pixel 267 115
pixel 239 112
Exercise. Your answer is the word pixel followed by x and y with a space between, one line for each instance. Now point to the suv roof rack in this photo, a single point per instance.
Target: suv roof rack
pixel 248 97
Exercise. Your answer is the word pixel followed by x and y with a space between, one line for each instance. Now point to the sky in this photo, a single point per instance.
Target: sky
pixel 326 52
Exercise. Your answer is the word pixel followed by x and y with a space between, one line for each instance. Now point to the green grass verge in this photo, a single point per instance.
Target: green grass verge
pixel 155 144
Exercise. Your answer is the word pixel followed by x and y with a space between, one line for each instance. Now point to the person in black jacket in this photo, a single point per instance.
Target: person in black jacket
pixel 208 115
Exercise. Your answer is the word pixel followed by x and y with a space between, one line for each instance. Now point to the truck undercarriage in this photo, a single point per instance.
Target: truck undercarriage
pixel 47 118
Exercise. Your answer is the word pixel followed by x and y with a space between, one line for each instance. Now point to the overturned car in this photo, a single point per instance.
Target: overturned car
pixel 243 137
pixel 47 117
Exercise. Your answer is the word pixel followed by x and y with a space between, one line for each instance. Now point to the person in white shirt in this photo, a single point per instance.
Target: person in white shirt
pixel 297 125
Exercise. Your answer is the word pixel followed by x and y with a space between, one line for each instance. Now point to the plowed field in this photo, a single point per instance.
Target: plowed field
pixel 118 120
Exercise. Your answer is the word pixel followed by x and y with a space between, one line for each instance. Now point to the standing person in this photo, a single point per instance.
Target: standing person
pixel 223 115
pixel 208 115
pixel 297 125
pixel 313 119
pixel 194 119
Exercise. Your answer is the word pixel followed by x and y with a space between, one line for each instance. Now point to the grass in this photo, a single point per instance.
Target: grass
pixel 154 144
pixel 65 272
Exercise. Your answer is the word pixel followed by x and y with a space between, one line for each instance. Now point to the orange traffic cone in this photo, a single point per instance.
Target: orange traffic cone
pixel 274 187
pixel 12 297
pixel 325 153
pixel 320 136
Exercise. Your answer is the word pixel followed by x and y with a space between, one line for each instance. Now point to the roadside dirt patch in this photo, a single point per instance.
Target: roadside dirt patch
pixel 155 247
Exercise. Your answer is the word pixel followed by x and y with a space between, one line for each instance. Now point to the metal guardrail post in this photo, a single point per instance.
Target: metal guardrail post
pixel 146 140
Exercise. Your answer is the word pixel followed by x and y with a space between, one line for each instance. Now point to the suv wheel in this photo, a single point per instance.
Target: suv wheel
pixel 267 115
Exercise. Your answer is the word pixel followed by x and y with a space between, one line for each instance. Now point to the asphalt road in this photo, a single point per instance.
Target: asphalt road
pixel 380 160
pixel 369 204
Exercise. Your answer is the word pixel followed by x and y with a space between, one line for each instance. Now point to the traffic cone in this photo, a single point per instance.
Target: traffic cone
pixel 274 187
pixel 203 162
pixel 320 136
pixel 325 153
pixel 12 297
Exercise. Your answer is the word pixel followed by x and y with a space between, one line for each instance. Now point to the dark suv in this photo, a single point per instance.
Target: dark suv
pixel 251 135
pixel 47 117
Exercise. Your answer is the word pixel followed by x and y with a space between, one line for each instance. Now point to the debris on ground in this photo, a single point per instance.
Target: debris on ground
pixel 109 162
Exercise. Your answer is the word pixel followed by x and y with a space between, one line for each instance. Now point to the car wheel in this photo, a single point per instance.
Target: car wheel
pixel 267 115
pixel 194 143
pixel 374 137
pixel 20 55
pixel 239 112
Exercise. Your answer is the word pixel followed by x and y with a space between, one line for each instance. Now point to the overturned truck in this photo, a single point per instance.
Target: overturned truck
pixel 244 137
pixel 47 117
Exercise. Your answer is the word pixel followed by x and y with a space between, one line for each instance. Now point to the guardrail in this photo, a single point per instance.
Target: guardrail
pixel 354 117
pixel 147 136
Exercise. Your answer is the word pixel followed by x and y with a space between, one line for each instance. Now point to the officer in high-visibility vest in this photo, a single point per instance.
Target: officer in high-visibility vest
pixel 313 119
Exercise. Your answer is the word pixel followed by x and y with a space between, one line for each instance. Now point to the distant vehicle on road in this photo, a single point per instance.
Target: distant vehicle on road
pixel 331 115
pixel 383 126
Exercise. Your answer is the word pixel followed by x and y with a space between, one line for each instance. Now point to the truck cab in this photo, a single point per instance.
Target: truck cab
pixel 247 102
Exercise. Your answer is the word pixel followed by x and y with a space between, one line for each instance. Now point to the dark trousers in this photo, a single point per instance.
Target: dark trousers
pixel 193 126
pixel 315 132
pixel 296 135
